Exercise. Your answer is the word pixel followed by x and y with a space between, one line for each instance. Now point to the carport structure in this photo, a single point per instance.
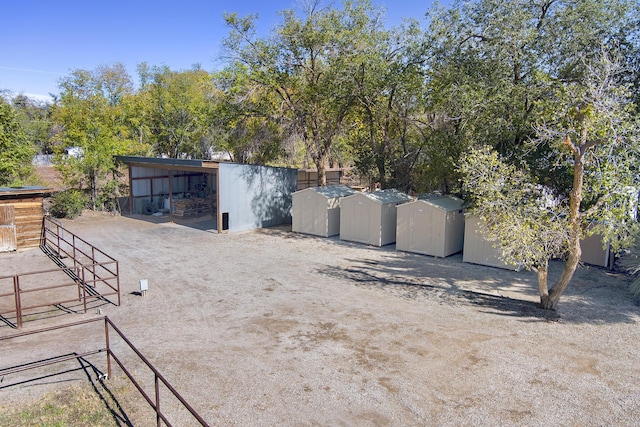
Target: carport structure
pixel 237 196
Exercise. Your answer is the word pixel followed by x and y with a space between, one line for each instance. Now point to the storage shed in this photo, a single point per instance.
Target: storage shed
pixel 236 196
pixel 596 252
pixel 21 215
pixel 433 226
pixel 371 217
pixel 477 249
pixel 316 210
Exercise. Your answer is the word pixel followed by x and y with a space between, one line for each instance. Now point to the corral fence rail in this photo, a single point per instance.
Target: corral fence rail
pixel 94 273
pixel 153 399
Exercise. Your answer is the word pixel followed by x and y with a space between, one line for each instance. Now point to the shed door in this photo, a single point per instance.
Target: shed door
pixel 8 240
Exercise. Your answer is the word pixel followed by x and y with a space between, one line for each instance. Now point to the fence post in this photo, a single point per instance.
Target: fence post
pixel 106 337
pixel 158 419
pixel 118 281
pixel 84 290
pixel 58 236
pixel 73 243
pixel 16 292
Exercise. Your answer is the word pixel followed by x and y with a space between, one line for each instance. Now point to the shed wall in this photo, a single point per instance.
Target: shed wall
pixel 594 253
pixel 310 213
pixel 477 249
pixel 27 221
pixel 426 229
pixel 256 196
pixel 360 220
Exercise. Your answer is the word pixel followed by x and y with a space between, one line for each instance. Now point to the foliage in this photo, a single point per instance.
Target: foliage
pixel 510 203
pixel 68 204
pixel 388 131
pixel 586 125
pixel 178 106
pixel 90 114
pixel 309 67
pixel 16 152
pixel 34 118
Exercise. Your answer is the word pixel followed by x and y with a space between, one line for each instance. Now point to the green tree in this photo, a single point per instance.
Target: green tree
pixel 89 115
pixel 179 105
pixel 587 126
pixel 16 151
pixel 309 66
pixel 492 62
pixel 389 119
pixel 247 122
pixel 34 117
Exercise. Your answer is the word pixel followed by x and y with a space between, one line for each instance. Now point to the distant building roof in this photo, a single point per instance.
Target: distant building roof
pixel 20 191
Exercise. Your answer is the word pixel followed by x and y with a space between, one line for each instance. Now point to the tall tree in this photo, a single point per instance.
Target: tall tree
pixel 492 61
pixel 586 126
pixel 16 151
pixel 179 107
pixel 245 119
pixel 34 117
pixel 389 114
pixel 89 115
pixel 309 65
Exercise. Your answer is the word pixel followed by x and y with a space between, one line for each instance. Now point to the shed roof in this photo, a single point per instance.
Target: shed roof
pixel 445 203
pixel 387 196
pixel 21 191
pixel 332 191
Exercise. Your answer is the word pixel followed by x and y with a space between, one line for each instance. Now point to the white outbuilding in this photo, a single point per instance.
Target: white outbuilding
pixel 316 210
pixel 370 217
pixel 595 251
pixel 478 249
pixel 433 226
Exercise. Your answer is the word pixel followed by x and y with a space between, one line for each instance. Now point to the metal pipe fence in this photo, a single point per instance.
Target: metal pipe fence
pixel 160 382
pixel 94 274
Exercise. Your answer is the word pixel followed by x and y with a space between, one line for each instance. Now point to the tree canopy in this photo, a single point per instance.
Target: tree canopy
pixel 528 109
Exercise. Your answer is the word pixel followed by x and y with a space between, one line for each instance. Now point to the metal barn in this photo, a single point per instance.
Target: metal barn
pixel 433 226
pixel 316 210
pixel 236 196
pixel 477 249
pixel 371 217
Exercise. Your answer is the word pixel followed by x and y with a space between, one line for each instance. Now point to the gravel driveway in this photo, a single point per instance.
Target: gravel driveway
pixel 275 328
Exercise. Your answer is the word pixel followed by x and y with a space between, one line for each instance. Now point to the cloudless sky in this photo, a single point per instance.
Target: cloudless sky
pixel 41 41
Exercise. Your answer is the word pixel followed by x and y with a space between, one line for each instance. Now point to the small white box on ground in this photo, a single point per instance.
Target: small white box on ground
pixel 144 286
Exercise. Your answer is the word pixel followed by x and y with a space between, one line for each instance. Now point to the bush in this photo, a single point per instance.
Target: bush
pixel 68 204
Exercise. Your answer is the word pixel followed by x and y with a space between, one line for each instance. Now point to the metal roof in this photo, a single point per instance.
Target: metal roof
pixel 332 191
pixel 167 162
pixel 387 196
pixel 445 203
pixel 16 191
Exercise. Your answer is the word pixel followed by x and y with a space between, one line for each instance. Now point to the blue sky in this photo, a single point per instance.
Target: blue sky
pixel 42 40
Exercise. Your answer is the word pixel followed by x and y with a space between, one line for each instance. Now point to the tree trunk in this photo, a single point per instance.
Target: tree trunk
pixel 550 301
pixel 321 165
pixel 542 282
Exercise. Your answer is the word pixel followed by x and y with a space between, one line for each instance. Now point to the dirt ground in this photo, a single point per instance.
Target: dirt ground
pixel 275 328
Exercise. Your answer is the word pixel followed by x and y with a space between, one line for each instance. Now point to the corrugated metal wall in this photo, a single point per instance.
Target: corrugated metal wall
pixel 256 196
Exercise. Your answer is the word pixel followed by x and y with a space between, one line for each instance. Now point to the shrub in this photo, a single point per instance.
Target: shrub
pixel 68 204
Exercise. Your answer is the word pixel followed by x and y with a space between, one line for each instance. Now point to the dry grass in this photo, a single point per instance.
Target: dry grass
pixel 89 404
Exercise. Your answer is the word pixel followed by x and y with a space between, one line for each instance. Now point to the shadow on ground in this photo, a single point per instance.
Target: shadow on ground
pixel 594 296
